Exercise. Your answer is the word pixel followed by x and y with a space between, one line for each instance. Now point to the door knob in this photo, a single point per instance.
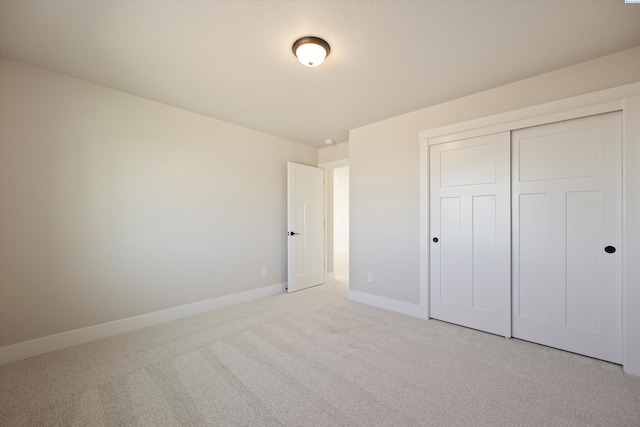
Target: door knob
pixel 291 233
pixel 435 240
pixel 610 249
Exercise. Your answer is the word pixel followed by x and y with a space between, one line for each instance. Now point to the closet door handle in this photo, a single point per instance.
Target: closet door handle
pixel 610 249
pixel 435 240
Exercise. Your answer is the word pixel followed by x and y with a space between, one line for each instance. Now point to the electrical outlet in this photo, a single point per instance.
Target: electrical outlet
pixel 264 271
pixel 369 277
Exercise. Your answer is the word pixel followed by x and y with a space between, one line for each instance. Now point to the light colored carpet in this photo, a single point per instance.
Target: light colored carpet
pixel 314 358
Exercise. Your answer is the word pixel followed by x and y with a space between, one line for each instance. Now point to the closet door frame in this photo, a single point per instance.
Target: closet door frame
pixel 625 99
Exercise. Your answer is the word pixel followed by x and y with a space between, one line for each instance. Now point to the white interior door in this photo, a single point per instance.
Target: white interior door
pixel 305 192
pixel 470 233
pixel 567 210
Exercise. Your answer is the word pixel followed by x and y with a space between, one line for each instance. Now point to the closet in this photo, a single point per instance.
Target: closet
pixel 524 229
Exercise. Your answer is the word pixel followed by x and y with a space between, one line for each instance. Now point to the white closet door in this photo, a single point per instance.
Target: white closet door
pixel 470 240
pixel 566 219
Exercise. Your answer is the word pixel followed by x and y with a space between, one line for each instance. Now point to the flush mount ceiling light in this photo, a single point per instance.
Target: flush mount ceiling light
pixel 311 51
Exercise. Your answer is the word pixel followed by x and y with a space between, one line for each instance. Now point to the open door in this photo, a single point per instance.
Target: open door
pixel 305 198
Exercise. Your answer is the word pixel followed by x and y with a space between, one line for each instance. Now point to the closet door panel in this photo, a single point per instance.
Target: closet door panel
pixel 485 251
pixel 567 275
pixel 470 217
pixel 452 258
pixel 533 273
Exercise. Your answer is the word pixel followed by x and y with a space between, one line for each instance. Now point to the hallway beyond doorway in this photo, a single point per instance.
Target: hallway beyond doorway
pixel 341 222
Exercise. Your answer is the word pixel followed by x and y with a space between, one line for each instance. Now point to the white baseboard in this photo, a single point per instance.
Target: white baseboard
pixel 414 310
pixel 22 350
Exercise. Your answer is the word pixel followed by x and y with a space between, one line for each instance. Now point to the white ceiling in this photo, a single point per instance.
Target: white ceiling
pixel 232 60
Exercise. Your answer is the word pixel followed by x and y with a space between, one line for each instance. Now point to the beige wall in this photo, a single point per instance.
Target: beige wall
pixel 114 206
pixel 384 168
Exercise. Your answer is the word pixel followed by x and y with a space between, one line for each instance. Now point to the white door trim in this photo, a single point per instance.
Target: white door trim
pixel 624 98
pixel 577 106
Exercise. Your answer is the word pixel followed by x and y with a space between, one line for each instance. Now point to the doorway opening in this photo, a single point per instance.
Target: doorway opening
pixel 341 223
